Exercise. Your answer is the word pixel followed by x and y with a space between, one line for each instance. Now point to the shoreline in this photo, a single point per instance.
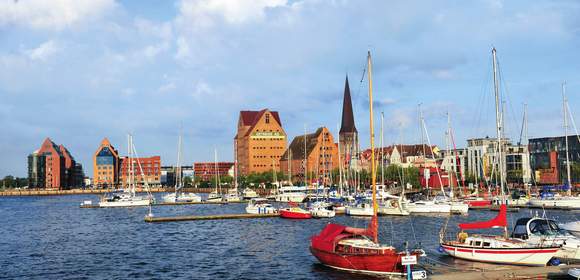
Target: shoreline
pixel 103 191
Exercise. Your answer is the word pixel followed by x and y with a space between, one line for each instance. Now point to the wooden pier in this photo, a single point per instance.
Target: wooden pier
pixel 548 272
pixel 208 217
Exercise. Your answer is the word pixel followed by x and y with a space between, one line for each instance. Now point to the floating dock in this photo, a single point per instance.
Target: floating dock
pixel 208 217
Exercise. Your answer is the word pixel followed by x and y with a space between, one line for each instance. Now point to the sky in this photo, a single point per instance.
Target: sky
pixel 81 70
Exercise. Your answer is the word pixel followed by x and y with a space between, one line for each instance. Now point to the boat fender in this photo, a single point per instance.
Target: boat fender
pixel 440 249
pixel 555 262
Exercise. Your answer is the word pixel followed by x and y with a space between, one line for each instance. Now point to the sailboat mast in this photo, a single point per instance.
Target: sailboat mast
pixel 305 160
pixel 382 149
pixel 373 163
pixel 339 166
pixel 564 102
pixel 498 123
pixel 178 168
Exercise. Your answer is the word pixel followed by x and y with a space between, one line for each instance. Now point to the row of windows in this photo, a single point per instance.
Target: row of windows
pixel 271 148
pixel 266 156
pixel 269 139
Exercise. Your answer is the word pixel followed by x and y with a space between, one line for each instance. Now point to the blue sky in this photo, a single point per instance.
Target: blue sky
pixel 77 71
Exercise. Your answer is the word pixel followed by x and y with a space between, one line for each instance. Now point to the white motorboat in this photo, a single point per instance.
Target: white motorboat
pixel 248 193
pixel 393 206
pixel 459 207
pixel 538 230
pixel 291 194
pixel 572 227
pixel 495 248
pixel 181 197
pixel 125 199
pixel 260 206
pixel 321 212
pixel 361 209
pixel 428 206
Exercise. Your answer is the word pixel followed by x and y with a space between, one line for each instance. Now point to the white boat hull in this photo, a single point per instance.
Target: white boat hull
pixel 459 207
pixel 428 207
pixel 183 197
pixel 125 203
pixel 561 202
pixel 261 210
pixel 291 197
pixel 322 213
pixel 514 256
pixel 359 211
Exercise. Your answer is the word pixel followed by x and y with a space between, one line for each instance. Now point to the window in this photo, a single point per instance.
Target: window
pixel 486 244
pixel 477 243
pixel 267 118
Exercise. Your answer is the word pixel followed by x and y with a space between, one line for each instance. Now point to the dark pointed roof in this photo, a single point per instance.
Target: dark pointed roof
pixel 347 124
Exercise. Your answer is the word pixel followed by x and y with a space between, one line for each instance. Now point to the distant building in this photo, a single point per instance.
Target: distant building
pixel 53 167
pixel 348 134
pixel 144 170
pixel 106 166
pixel 206 171
pixel 454 162
pixel 260 141
pixel 168 174
pixel 483 161
pixel 548 158
pixel 321 157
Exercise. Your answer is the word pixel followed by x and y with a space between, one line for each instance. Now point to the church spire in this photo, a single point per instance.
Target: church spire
pixel 347 125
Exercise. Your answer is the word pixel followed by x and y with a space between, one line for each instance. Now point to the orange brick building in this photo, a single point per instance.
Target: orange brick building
pixel 53 167
pixel 321 157
pixel 259 142
pixel 151 167
pixel 106 164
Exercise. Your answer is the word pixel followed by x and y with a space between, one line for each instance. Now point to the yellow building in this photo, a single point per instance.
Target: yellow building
pixel 259 142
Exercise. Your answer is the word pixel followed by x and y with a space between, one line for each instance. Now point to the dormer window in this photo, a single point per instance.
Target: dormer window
pixel 267 118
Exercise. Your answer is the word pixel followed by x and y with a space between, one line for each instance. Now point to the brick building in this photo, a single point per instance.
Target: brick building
pixel 144 169
pixel 53 167
pixel 260 141
pixel 106 164
pixel 321 157
pixel 206 171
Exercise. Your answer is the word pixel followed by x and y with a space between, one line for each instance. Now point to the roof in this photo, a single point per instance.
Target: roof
pixel 404 151
pixel 251 118
pixel 296 148
pixel 347 124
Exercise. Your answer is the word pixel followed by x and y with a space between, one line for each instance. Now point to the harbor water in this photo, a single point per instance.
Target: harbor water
pixel 53 238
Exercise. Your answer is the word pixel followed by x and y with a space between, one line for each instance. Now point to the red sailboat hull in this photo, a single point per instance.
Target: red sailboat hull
pixel 289 214
pixel 478 203
pixel 387 263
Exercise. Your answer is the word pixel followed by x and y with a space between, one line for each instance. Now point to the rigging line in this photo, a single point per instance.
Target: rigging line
pixel 507 96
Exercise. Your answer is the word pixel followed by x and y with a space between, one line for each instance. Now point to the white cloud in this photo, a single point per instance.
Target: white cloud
pixel 183 50
pixel 203 13
pixel 42 52
pixel 51 15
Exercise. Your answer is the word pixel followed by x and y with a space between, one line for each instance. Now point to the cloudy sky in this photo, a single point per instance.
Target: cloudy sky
pixel 77 71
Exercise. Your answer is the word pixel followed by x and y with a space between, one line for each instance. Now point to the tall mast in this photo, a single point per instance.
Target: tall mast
pixel 564 105
pixel 178 167
pixel 339 168
pixel 129 165
pixel 305 160
pixel 382 150
pixel 498 123
pixel 373 163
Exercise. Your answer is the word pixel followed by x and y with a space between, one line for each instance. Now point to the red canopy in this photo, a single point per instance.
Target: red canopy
pixel 499 221
pixel 332 233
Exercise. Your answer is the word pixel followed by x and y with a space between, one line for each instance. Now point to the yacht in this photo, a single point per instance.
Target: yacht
pixel 538 231
pixel 364 208
pixel 291 194
pixel 260 206
pixel 572 227
pixel 179 196
pixel 125 199
pixel 248 193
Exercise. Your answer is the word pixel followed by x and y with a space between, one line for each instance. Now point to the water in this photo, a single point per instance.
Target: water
pixel 52 238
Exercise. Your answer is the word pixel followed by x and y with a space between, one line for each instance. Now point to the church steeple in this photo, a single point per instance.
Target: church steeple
pixel 347 125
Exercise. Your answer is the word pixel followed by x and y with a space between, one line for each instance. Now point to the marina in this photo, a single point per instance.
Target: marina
pixel 247 243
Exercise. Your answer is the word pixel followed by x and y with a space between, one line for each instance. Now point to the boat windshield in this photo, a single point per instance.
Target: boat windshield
pixel 545 227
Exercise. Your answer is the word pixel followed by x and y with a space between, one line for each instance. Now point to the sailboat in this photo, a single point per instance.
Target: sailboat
pixel 567 201
pixel 179 196
pixel 128 197
pixel 216 196
pixel 358 249
pixel 496 248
